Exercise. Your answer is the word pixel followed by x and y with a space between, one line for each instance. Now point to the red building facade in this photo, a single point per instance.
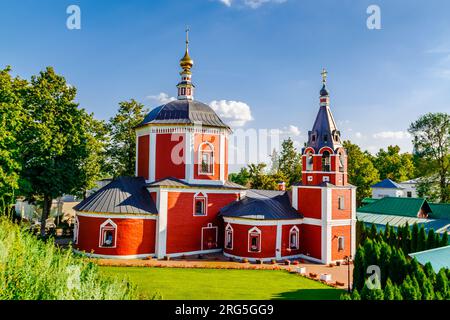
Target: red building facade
pixel 181 202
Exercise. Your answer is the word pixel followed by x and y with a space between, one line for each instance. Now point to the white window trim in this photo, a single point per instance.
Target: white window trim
pixel 210 226
pixel 227 229
pixel 100 238
pixel 294 229
pixel 200 152
pixel 254 230
pixel 201 196
pixel 76 230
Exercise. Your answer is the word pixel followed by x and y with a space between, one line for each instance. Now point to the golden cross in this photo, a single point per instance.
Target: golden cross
pixel 187 35
pixel 324 76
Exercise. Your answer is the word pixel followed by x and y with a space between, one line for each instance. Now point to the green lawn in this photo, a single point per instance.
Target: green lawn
pixel 210 284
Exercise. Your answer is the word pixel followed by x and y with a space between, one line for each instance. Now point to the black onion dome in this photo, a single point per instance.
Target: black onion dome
pixel 184 112
pixel 324 91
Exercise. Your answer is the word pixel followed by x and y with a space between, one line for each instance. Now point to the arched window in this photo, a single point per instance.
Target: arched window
pixel 294 238
pixel 108 234
pixel 206 159
pixel 229 237
pixel 341 161
pixel 254 240
pixel 200 204
pixel 341 243
pixel 309 161
pixel 326 161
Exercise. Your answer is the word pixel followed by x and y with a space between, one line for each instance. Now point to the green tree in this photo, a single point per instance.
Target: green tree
pixel 431 140
pixel 242 177
pixel 422 239
pixel 122 149
pixel 389 291
pixel 12 122
pixel 442 286
pixel 409 289
pixel 431 240
pixel 359 269
pixel 361 171
pixel 414 237
pixel 290 162
pixel 429 272
pixel 259 179
pixel 391 164
pixel 385 262
pixel 444 239
pixel 54 140
pixel 371 294
pixel 355 295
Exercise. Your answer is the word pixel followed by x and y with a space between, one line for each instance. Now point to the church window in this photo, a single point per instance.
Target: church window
pixel 229 237
pixel 294 238
pixel 341 162
pixel 254 240
pixel 341 243
pixel 108 234
pixel 326 161
pixel 183 91
pixel 200 204
pixel 309 161
pixel 341 203
pixel 206 159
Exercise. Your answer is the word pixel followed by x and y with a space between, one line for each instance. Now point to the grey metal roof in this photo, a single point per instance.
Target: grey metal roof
pixel 438 257
pixel 184 112
pixel 124 195
pixel 177 183
pixel 326 184
pixel 262 205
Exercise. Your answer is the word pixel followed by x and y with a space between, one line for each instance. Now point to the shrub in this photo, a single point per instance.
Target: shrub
pixel 295 262
pixel 273 261
pixel 287 262
pixel 31 269
pixel 245 260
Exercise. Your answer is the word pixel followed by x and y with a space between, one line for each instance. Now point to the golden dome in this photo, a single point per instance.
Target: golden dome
pixel 186 62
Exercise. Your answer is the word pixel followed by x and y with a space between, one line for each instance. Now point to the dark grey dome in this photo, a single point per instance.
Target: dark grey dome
pixel 184 112
pixel 324 91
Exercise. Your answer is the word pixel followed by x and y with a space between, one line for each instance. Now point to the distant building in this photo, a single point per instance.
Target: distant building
pixel 398 211
pixel 387 188
pixel 409 188
pixel 438 257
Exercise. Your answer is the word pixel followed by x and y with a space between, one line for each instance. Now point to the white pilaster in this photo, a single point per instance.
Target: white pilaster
pixel 152 157
pixel 222 157
pixel 353 222
pixel 161 239
pixel 189 156
pixel 295 198
pixel 278 241
pixel 326 225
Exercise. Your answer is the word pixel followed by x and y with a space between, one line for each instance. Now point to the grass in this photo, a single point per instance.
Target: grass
pixel 31 269
pixel 212 284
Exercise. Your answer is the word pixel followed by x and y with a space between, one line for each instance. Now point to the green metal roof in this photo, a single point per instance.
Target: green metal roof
pixel 440 210
pixel 407 207
pixel 439 257
pixel 369 200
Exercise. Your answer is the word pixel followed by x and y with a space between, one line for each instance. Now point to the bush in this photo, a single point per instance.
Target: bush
pixel 273 261
pixel 287 262
pixel 31 269
pixel 245 260
pixel 295 262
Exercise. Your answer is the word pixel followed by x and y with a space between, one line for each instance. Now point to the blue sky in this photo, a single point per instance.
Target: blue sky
pixel 266 55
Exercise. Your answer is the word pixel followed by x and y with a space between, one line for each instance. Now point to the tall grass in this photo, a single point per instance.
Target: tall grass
pixel 31 269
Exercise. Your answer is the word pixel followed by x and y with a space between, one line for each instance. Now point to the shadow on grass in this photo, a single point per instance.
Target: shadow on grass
pixel 310 294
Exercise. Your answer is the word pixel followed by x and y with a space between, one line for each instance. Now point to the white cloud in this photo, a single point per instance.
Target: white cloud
pixel 226 2
pixel 392 135
pixel 254 4
pixel 358 135
pixel 293 130
pixel 161 98
pixel 236 113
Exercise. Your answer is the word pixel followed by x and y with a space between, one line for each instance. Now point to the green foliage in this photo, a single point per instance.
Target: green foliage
pixel 431 239
pixel 12 122
pixel 361 171
pixel 122 149
pixel 431 140
pixel 414 237
pixel 393 165
pixel 371 294
pixel 55 140
pixel 422 239
pixel 410 289
pixel 359 269
pixel 35 270
pixel 242 177
pixel 444 240
pixel 442 285
pixel 290 162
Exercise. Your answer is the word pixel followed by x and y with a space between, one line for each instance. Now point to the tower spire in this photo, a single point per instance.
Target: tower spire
pixel 185 86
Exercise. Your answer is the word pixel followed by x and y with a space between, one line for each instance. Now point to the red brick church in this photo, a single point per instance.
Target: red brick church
pixel 181 202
